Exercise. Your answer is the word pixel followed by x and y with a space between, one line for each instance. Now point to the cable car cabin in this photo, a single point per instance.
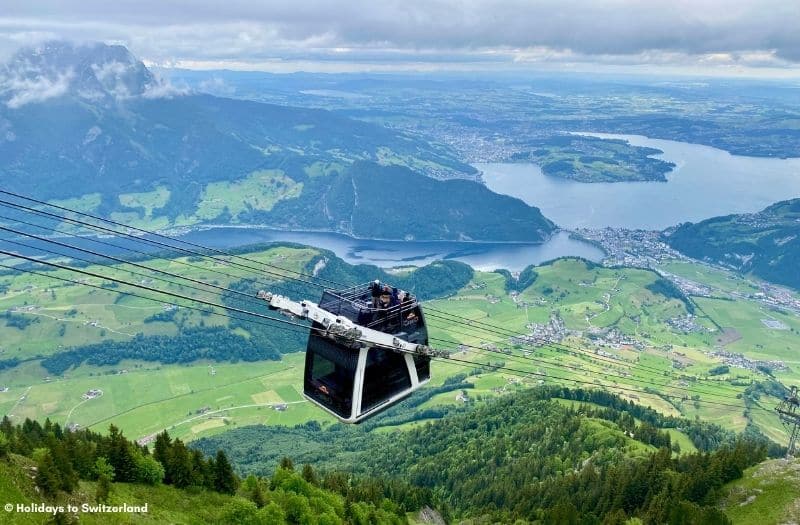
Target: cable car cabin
pixel 354 382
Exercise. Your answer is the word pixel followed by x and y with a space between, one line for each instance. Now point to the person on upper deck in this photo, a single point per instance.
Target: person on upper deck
pixel 384 301
pixel 375 291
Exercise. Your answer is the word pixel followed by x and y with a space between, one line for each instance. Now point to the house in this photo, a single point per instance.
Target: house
pixel 93 393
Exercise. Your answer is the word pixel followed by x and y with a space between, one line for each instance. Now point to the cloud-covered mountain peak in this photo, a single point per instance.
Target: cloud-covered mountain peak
pixel 92 72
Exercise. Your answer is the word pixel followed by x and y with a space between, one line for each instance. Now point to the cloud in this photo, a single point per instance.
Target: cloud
pixel 111 76
pixel 754 33
pixel 164 89
pixel 26 90
pixel 216 86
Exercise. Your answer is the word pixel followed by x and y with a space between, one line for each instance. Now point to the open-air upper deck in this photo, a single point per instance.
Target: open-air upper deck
pixel 402 318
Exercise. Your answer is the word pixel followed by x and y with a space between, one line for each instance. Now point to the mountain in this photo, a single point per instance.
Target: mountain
pixel 92 124
pixel 766 244
pixel 95 73
pixel 373 201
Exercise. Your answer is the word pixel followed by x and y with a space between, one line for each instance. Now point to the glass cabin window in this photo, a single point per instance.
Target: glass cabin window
pixel 330 374
pixel 423 365
pixel 386 374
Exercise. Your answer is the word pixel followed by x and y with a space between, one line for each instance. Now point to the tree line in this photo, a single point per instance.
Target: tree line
pixel 63 457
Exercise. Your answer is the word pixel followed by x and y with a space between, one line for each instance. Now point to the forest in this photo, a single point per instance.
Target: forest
pixel 527 456
pixel 66 463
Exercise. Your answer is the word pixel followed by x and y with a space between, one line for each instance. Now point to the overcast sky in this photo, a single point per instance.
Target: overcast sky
pixel 692 36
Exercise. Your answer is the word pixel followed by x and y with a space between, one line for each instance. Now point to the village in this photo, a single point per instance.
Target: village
pixel 646 249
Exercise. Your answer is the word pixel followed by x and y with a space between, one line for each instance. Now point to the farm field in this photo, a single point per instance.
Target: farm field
pixel 259 191
pixel 613 332
pixel 145 398
pixel 43 314
pixel 673 363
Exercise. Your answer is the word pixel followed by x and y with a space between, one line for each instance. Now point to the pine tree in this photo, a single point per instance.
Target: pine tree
pixel 105 473
pixel 287 464
pixel 120 456
pixel 103 489
pixel 309 474
pixel 4 446
pixel 47 476
pixel 180 465
pixel 224 478
pixel 202 470
pixel 63 462
pixel 161 452
pixel 258 495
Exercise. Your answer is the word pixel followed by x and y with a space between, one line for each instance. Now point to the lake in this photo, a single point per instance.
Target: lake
pixel 707 182
pixel 479 255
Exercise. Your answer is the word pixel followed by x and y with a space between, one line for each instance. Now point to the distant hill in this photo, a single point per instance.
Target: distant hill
pixel 92 124
pixel 766 244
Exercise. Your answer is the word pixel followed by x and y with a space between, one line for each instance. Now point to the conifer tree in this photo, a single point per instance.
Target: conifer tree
pixel 120 456
pixel 161 451
pixel 47 476
pixel 224 478
pixel 287 464
pixel 309 474
pixel 105 473
pixel 258 495
pixel 180 464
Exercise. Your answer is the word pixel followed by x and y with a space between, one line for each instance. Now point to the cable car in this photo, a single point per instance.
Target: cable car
pixel 362 355
pixel 355 381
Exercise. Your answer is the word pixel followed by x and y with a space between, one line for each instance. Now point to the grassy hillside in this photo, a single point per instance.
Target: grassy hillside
pixel 767 493
pixel 164 504
pixel 765 244
pixel 614 332
pixel 526 456
pixel 286 498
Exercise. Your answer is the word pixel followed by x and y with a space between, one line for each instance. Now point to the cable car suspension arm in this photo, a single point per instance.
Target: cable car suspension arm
pixel 343 329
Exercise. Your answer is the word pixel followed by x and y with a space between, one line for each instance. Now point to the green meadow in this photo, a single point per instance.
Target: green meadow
pixel 44 314
pixel 669 372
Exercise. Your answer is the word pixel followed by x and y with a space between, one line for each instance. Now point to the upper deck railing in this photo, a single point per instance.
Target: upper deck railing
pixel 355 303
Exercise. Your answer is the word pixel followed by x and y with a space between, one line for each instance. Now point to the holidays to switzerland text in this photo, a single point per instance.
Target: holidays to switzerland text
pixel 92 508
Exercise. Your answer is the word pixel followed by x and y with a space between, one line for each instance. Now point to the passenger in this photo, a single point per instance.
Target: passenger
pixel 406 298
pixel 395 297
pixel 375 290
pixel 385 300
